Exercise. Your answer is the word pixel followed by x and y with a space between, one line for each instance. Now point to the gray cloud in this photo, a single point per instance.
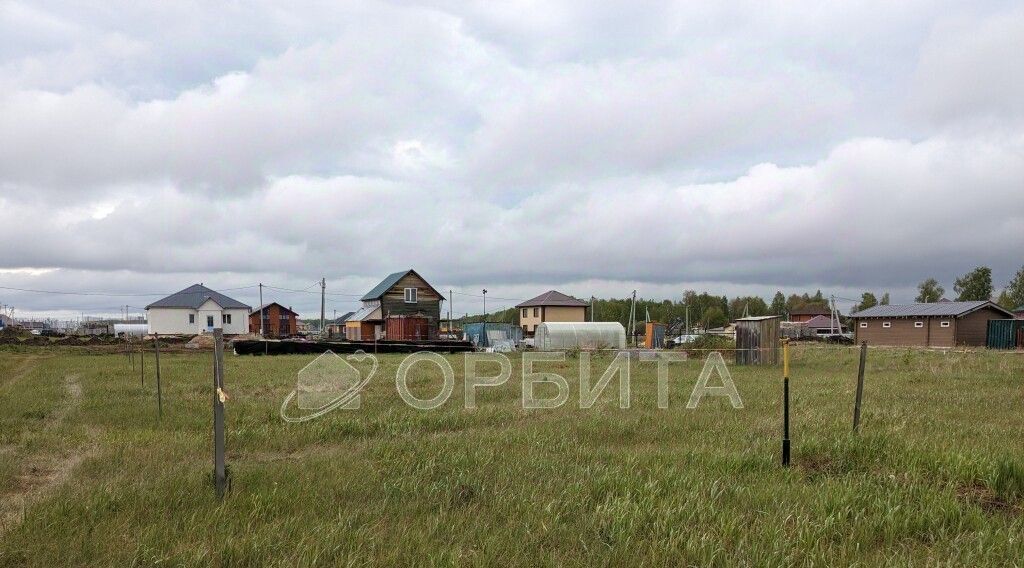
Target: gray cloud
pixel 568 145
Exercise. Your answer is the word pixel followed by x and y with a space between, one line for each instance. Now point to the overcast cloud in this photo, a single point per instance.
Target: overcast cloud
pixel 513 146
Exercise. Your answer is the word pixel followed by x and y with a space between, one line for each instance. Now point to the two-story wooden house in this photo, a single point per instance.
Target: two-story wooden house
pixel 402 307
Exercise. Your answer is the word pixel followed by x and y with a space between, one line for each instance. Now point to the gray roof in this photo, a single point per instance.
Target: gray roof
pixel 939 309
pixel 342 318
pixel 757 318
pixel 363 313
pixel 386 284
pixel 194 296
pixel 553 298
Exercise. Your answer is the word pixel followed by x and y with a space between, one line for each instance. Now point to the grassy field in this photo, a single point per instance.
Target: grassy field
pixel 90 476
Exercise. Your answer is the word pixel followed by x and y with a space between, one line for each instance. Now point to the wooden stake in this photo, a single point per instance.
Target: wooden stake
pixel 220 477
pixel 159 394
pixel 142 360
pixel 860 385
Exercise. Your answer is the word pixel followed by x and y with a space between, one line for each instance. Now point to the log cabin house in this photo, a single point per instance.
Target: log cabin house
pixel 403 307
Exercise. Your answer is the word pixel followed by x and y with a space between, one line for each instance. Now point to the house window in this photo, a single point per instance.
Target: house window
pixel 525 330
pixel 191 318
pixel 886 324
pixel 209 321
pixel 944 324
pixel 918 324
pixel 226 319
pixel 863 324
pixel 410 295
pixel 524 312
pixel 536 312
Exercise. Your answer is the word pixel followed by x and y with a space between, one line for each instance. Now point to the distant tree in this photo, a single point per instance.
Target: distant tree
pixel 867 300
pixel 778 306
pixel 754 305
pixel 885 299
pixel 817 298
pixel 714 317
pixel 975 285
pixel 929 291
pixel 1015 291
pixel 1005 301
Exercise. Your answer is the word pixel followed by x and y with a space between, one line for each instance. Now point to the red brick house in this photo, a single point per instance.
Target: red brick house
pixel 278 321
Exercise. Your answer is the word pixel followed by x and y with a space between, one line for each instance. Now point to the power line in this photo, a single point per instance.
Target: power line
pixel 109 294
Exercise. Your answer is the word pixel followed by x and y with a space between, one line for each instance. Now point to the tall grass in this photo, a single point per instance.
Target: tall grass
pixel 934 477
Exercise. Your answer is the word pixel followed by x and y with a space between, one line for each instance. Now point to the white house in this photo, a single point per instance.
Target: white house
pixel 197 309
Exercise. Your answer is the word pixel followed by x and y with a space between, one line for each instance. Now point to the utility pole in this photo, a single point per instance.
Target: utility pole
pixel 591 309
pixel 632 319
pixel 323 304
pixel 485 318
pixel 261 310
pixel 450 300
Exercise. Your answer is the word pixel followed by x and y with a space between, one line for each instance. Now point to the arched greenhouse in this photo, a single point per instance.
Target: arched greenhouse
pixel 580 335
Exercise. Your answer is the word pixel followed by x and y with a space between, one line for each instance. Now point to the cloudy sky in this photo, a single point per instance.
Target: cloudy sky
pixel 593 147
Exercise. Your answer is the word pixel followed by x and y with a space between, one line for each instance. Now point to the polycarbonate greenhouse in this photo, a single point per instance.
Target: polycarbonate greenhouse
pixel 581 335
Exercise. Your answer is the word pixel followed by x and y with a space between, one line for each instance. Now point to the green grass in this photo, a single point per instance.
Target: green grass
pixel 936 475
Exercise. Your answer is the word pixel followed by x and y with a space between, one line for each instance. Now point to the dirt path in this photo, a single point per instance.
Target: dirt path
pixel 42 474
pixel 25 366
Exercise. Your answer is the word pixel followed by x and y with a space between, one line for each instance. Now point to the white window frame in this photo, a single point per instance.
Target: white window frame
pixel 863 325
pixel 943 324
pixel 887 324
pixel 918 324
pixel 191 319
pixel 225 319
pixel 411 295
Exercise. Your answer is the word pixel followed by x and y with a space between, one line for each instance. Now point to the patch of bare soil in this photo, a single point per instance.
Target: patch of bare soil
pixel 988 500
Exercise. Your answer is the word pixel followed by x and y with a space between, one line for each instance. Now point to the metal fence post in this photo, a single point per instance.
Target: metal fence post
pixel 860 385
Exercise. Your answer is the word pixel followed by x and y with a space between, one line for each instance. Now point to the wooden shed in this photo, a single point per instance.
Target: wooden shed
pixel 757 340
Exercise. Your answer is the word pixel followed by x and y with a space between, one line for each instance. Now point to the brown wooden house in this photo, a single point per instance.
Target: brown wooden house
pixel 939 324
pixel 278 321
pixel 402 307
pixel 807 312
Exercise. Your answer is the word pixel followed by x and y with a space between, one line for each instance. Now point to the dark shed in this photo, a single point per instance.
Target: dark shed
pixel 757 340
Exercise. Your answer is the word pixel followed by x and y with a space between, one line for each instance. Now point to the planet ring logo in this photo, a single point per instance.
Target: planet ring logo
pixel 327 383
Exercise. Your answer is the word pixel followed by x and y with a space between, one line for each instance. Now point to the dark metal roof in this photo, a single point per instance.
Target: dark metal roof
pixel 949 309
pixel 194 296
pixel 388 282
pixel 553 298
pixel 810 310
pixel 342 318
pixel 267 305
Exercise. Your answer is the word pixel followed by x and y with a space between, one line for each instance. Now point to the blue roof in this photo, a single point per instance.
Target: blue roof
pixel 194 296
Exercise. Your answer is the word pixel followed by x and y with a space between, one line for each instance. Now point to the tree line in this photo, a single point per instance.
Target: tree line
pixel 708 310
pixel 975 285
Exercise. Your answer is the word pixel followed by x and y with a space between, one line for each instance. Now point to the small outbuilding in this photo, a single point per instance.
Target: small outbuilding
pixel 551 336
pixel 757 340
pixel 939 324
